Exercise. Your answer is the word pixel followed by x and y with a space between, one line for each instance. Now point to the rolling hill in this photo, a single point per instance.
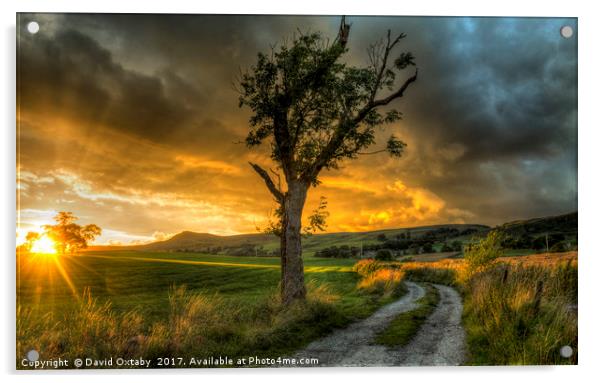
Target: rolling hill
pixel 565 224
pixel 191 240
pixel 266 243
pixel 205 242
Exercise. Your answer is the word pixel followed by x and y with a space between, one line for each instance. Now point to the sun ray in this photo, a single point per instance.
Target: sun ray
pixel 45 262
pixel 66 277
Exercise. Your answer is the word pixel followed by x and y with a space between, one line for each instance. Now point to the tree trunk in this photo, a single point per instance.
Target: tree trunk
pixel 282 252
pixel 293 283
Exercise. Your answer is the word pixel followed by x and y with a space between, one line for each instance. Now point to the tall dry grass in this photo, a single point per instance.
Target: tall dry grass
pixel 381 279
pixel 516 314
pixel 383 282
pixel 198 326
pixel 91 329
pixel 518 310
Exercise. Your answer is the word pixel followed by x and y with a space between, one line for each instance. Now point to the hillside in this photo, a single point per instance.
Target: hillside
pixel 264 244
pixel 564 224
pixel 188 240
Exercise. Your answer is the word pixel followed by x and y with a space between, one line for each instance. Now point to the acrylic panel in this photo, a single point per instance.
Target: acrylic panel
pixel 200 191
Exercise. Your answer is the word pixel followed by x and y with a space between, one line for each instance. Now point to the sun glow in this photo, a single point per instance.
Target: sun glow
pixel 44 245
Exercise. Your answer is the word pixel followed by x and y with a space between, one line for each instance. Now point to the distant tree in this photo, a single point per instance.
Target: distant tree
pixel 414 249
pixel 397 244
pixel 344 251
pixel 539 243
pixel 68 236
pixel 384 255
pixel 456 246
pixel 468 231
pixel 446 248
pixel 316 111
pixel 30 238
pixel 524 242
pixel 381 237
pixel 427 247
pixel 558 247
pixel 555 238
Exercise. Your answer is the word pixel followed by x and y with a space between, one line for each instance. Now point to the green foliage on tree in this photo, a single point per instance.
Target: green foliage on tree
pixel 482 254
pixel 317 219
pixel 446 248
pixel 427 247
pixel 314 111
pixel 456 245
pixel 384 255
pixel 381 237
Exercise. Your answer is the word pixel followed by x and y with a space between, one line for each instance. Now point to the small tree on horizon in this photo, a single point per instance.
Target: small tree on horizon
pixel 30 238
pixel 68 236
pixel 316 111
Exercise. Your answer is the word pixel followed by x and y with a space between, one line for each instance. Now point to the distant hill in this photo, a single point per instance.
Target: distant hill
pixel 205 242
pixel 188 240
pixel 559 224
pixel 263 244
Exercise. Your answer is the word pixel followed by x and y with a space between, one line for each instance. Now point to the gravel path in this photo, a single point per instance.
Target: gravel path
pixel 440 341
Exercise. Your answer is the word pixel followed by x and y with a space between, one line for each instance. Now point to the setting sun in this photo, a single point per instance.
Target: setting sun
pixel 44 245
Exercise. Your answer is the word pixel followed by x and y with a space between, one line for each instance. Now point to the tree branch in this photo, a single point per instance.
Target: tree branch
pixel 385 60
pixel 279 180
pixel 276 192
pixel 343 35
pixel 385 101
pixel 345 126
pixel 370 153
pixel 285 143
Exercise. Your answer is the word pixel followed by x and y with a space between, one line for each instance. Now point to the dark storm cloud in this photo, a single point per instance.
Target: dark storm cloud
pixel 490 124
pixel 162 77
pixel 493 117
pixel 509 97
pixel 510 91
pixel 72 75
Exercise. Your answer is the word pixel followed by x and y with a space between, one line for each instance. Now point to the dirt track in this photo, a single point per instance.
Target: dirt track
pixel 439 342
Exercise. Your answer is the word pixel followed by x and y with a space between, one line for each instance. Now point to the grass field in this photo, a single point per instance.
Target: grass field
pixel 141 280
pixel 519 310
pixel 186 304
pixel 180 304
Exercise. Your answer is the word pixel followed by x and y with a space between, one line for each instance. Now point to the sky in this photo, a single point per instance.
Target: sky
pixel 132 122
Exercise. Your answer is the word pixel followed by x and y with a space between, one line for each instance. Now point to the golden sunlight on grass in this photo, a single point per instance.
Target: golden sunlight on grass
pixel 517 310
pixel 45 263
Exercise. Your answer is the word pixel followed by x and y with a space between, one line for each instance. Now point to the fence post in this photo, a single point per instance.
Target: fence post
pixel 538 294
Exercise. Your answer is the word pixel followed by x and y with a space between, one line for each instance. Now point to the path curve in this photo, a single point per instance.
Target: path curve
pixel 440 341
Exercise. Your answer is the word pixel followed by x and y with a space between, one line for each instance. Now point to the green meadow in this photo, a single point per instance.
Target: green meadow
pixel 161 305
pixel 144 304
pixel 141 280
